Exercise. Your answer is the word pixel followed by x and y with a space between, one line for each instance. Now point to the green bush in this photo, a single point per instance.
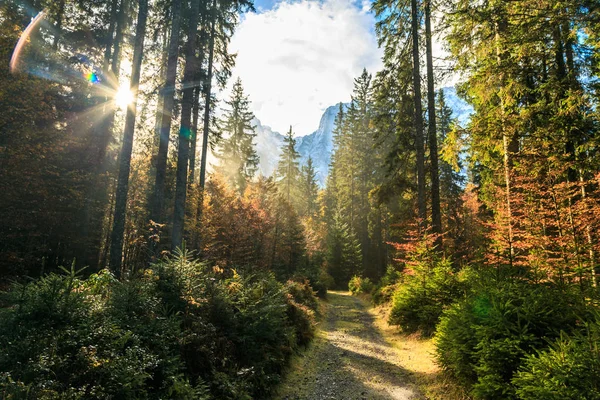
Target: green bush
pixel 568 369
pixel 180 330
pixel 302 307
pixel 387 285
pixel 483 339
pixel 61 338
pixel 358 285
pixel 420 300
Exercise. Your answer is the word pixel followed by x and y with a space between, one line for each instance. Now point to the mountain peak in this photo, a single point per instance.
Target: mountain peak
pixel 319 144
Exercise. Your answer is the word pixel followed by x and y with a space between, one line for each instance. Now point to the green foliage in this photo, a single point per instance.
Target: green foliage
pixel 309 189
pixel 568 369
pixel 483 340
pixel 180 330
pixel 238 160
pixel 387 285
pixel 288 174
pixel 326 281
pixel 63 339
pixel 421 298
pixel 358 285
pixel 344 256
pixel 302 307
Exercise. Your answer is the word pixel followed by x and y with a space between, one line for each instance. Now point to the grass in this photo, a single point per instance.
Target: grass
pixel 416 355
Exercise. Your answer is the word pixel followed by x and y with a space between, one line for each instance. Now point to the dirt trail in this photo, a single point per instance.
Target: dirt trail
pixel 349 359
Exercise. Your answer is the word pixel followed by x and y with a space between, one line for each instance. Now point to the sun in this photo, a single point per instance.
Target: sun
pixel 123 97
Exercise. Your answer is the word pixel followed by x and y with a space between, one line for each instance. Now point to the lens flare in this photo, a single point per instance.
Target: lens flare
pixel 23 39
pixel 123 97
pixel 91 77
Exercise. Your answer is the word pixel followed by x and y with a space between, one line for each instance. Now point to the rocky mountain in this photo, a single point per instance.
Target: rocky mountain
pixel 268 147
pixel 319 144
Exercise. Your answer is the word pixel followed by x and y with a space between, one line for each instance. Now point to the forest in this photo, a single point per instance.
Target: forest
pixel 134 267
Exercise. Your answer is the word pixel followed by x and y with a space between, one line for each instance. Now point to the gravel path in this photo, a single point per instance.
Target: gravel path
pixel 349 359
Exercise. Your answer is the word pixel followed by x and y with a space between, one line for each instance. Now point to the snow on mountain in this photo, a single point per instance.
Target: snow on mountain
pixel 268 147
pixel 319 144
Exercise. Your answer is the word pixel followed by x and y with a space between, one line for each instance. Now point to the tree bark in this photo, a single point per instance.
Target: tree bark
pixel 183 150
pixel 168 100
pixel 196 111
pixel 436 216
pixel 509 143
pixel 121 22
pixel 419 140
pixel 114 4
pixel 206 127
pixel 116 246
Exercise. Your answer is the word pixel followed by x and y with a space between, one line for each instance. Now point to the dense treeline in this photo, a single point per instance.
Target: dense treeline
pixel 493 223
pixel 106 184
pixel 483 234
pixel 113 182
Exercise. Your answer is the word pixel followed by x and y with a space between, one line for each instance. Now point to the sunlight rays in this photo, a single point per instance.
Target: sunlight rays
pixel 123 97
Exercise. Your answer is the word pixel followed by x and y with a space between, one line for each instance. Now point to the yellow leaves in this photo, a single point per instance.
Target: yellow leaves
pixel 234 287
pixel 150 275
pixel 217 270
pixel 452 147
pixel 90 353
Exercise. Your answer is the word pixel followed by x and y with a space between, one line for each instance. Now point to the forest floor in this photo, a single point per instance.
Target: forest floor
pixel 352 358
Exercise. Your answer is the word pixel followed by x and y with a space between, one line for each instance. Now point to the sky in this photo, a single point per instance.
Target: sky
pixel 296 58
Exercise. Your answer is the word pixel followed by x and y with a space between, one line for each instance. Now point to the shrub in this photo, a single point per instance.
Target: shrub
pixel 61 339
pixel 387 285
pixel 483 340
pixel 420 300
pixel 358 285
pixel 302 306
pixel 324 283
pixel 301 292
pixel 568 369
pixel 180 330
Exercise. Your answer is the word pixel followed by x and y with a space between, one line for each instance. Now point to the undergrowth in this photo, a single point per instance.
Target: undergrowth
pixel 179 330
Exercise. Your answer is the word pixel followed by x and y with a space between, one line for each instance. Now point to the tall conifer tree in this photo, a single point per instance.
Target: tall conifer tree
pixel 238 160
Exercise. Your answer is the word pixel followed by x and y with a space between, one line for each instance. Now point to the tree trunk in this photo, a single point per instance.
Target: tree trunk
pixel 168 99
pixel 206 127
pixel 436 216
pixel 509 144
pixel 93 212
pixel 183 150
pixel 114 4
pixel 207 91
pixel 419 140
pixel 194 142
pixel 121 22
pixel 116 246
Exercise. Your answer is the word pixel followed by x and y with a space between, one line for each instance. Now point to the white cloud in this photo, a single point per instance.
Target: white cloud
pixel 301 57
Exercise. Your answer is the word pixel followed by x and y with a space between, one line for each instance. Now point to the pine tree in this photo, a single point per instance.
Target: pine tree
pixel 436 217
pixel 185 128
pixel 451 178
pixel 166 114
pixel 116 247
pixel 418 114
pixel 207 95
pixel 287 173
pixel 309 189
pixel 238 160
pixel 344 258
pixel 531 115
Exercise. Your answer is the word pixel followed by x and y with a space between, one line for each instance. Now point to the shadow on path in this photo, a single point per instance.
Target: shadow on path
pixel 348 360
